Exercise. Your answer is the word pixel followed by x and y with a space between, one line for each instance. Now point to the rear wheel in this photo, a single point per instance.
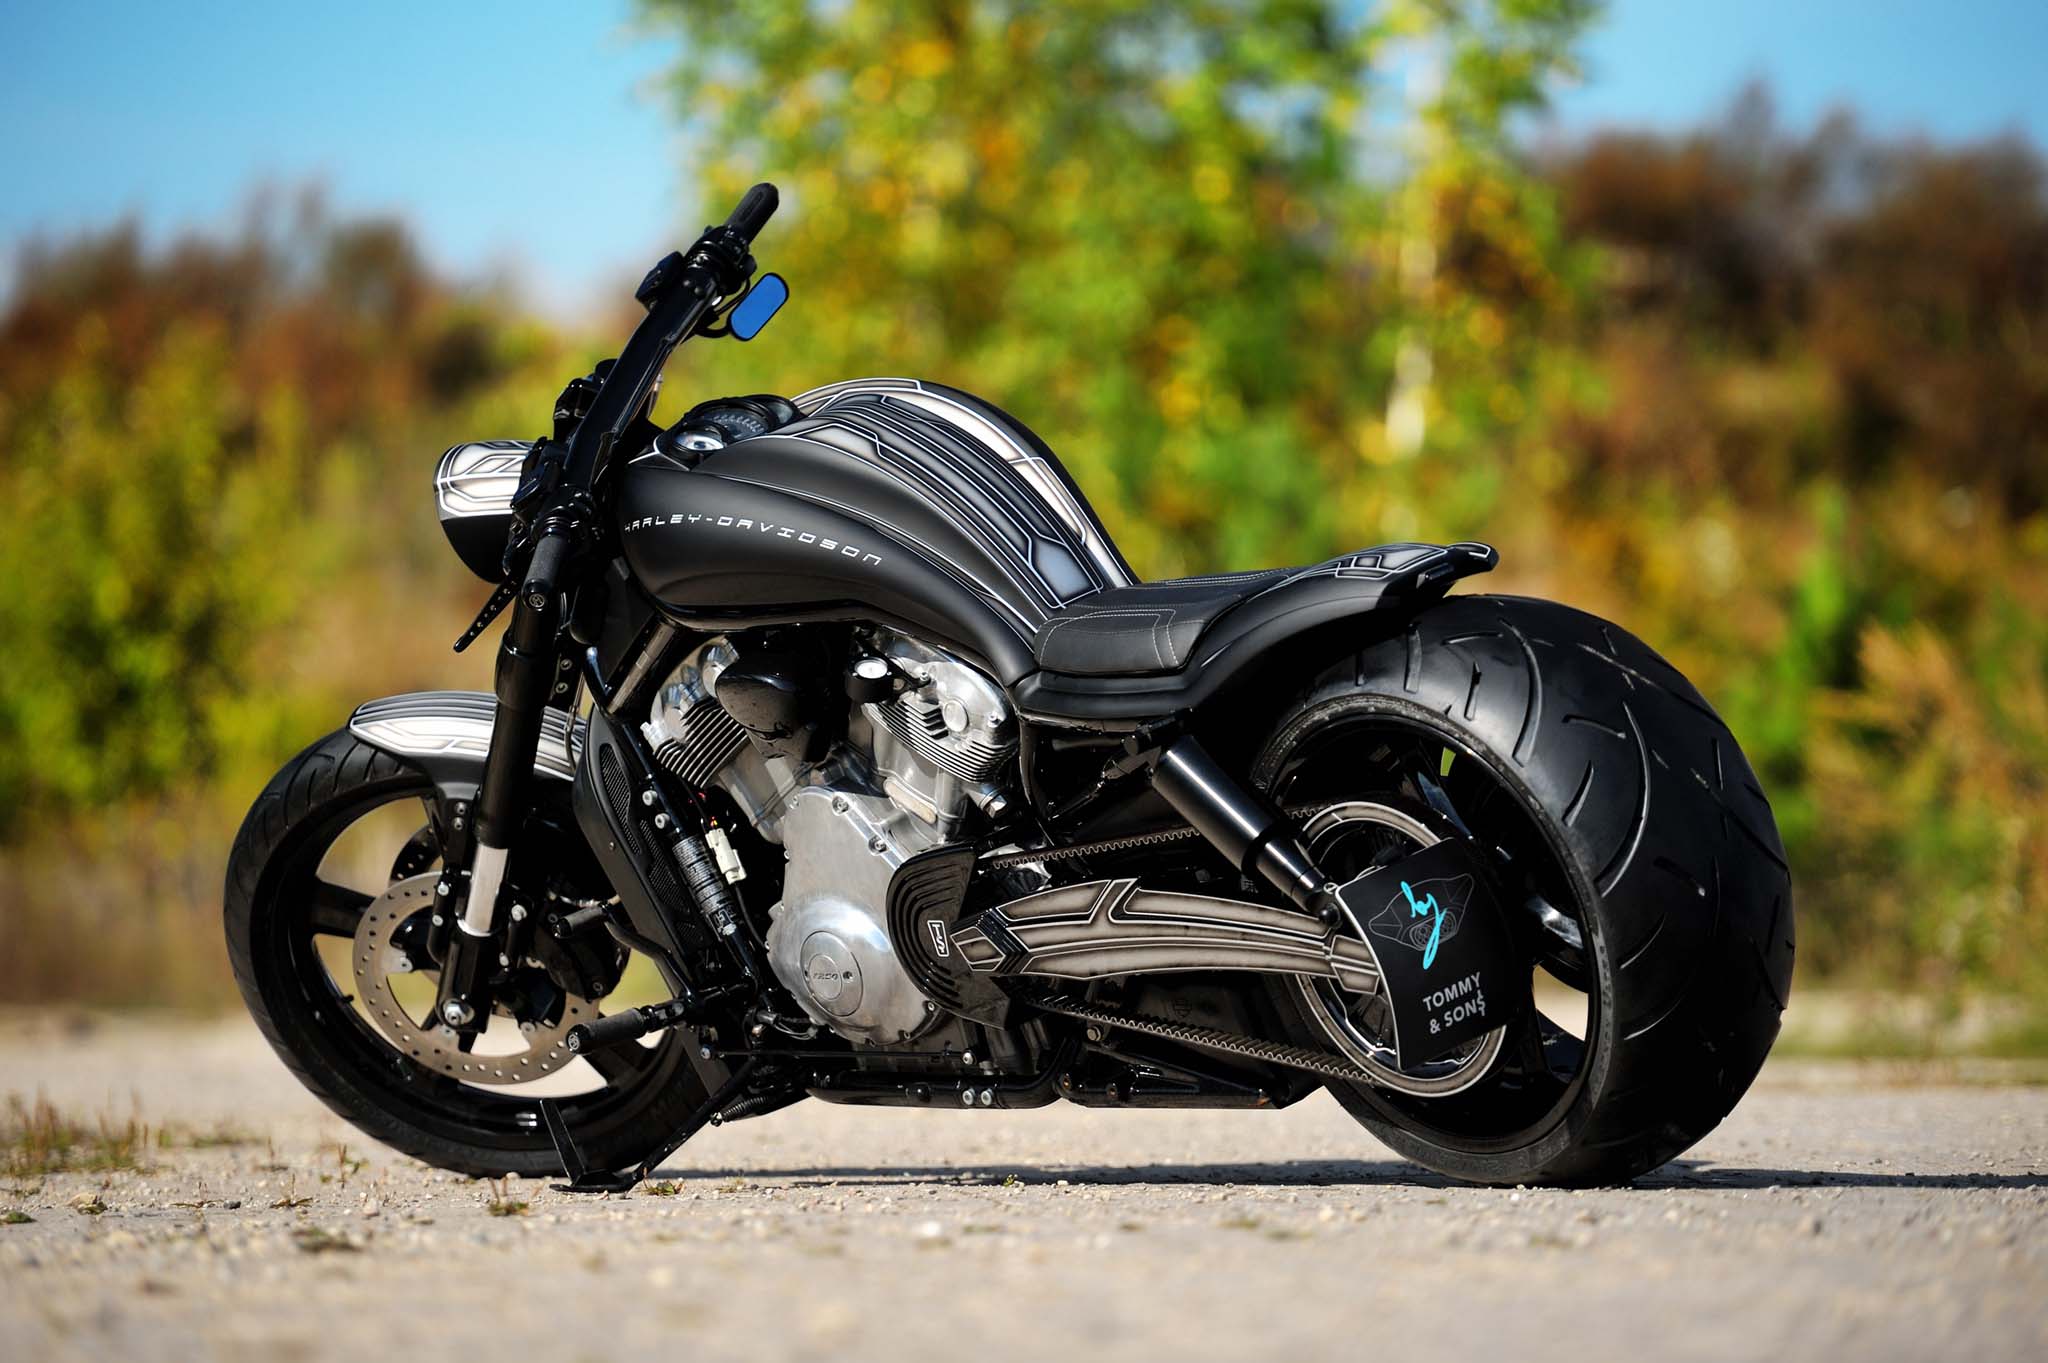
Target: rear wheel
pixel 329 888
pixel 1655 897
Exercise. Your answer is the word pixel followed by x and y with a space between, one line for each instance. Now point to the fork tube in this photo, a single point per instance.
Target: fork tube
pixel 525 674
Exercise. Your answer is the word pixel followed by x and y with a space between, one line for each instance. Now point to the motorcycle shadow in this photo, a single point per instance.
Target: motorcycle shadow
pixel 1680 1175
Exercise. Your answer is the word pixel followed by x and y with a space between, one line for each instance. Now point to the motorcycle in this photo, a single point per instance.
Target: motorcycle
pixel 844 718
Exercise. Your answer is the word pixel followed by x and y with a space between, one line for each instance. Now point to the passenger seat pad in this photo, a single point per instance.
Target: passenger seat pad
pixel 1153 627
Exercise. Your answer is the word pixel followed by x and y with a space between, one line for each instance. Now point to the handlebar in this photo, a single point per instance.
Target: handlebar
pixel 754 210
pixel 544 569
pixel 679 293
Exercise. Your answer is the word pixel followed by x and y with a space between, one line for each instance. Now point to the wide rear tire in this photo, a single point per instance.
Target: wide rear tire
pixel 1660 837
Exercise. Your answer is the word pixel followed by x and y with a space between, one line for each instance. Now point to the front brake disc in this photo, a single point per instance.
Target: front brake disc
pixel 377 958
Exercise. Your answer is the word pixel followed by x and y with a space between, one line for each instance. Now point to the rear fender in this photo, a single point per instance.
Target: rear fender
pixel 1358 597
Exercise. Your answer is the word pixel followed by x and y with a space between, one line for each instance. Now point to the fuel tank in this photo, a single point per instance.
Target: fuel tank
pixel 906 502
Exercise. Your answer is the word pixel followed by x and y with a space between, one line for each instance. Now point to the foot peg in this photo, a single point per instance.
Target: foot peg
pixel 621 1028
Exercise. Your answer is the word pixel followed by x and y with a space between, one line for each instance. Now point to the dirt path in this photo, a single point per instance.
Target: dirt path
pixel 1847 1212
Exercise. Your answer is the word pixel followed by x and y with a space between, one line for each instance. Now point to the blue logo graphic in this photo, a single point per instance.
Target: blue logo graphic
pixel 1436 927
pixel 1425 915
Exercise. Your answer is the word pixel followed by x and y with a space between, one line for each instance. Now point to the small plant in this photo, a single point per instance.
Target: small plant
pixel 271 1163
pixel 218 1136
pixel 320 1240
pixel 501 1202
pixel 37 1139
pixel 14 1216
pixel 665 1188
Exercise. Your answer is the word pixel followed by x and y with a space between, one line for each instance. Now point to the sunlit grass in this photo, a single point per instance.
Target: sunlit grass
pixel 35 1138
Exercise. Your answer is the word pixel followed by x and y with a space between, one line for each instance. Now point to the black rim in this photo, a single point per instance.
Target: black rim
pixel 295 907
pixel 1392 759
pixel 1344 850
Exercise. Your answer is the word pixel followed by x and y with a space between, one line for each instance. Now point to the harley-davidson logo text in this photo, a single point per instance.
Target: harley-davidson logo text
pixel 751 526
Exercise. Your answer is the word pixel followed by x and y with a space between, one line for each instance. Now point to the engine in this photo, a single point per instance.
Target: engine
pixel 929 741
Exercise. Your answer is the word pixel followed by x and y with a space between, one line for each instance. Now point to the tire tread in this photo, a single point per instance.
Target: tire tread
pixel 1699 965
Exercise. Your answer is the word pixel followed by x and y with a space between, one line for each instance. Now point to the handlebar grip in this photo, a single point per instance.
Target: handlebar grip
pixel 754 211
pixel 544 570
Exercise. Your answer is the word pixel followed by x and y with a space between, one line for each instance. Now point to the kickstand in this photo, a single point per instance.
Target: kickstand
pixel 584 1179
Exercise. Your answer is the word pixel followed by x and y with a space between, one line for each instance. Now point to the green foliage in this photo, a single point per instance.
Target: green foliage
pixel 152 556
pixel 216 460
pixel 1273 278
pixel 1816 477
pixel 1143 225
pixel 183 473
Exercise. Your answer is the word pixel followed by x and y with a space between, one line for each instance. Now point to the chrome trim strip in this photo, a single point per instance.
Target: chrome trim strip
pixel 479 478
pixel 429 724
pixel 486 877
pixel 1100 928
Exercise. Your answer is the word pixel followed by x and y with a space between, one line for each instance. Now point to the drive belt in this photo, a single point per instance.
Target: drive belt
pixel 1102 846
pixel 1209 1038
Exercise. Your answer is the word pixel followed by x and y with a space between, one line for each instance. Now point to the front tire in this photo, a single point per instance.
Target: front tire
pixel 1620 791
pixel 277 908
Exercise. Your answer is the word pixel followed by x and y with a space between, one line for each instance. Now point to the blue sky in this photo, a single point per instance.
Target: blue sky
pixel 528 137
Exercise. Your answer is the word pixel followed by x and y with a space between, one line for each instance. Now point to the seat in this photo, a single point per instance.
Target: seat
pixel 1146 627
pixel 1154 628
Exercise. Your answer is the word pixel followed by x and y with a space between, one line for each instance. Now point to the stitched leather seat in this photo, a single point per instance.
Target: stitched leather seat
pixel 1155 627
pixel 1149 627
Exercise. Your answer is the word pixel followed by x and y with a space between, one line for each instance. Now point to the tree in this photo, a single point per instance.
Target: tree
pixel 1165 234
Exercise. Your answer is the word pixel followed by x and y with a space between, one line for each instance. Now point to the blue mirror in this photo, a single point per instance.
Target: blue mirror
pixel 762 302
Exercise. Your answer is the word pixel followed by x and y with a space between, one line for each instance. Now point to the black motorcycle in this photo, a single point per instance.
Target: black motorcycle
pixel 845 714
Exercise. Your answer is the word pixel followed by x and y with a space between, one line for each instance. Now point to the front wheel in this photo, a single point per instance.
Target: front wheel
pixel 329 891
pixel 1654 891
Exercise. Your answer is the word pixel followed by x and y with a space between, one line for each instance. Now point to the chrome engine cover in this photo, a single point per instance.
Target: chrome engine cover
pixel 913 767
pixel 828 942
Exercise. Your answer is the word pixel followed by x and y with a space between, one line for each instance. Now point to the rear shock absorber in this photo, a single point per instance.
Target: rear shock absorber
pixel 1246 828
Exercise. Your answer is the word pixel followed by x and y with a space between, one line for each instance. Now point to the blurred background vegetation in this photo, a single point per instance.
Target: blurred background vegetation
pixel 1277 278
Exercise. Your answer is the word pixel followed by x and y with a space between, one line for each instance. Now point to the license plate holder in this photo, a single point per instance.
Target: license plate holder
pixel 1449 969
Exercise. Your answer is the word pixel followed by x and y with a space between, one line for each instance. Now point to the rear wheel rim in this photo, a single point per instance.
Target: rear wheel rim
pixel 1345 839
pixel 1373 754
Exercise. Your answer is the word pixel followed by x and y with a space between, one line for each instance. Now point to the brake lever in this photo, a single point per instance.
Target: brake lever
pixel 549 457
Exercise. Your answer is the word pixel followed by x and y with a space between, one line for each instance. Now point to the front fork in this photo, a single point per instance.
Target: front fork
pixel 529 670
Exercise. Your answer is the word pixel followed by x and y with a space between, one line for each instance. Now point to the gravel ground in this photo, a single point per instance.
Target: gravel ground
pixel 1858 1211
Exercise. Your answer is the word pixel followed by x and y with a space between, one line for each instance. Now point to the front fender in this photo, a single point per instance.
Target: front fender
pixel 447 734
